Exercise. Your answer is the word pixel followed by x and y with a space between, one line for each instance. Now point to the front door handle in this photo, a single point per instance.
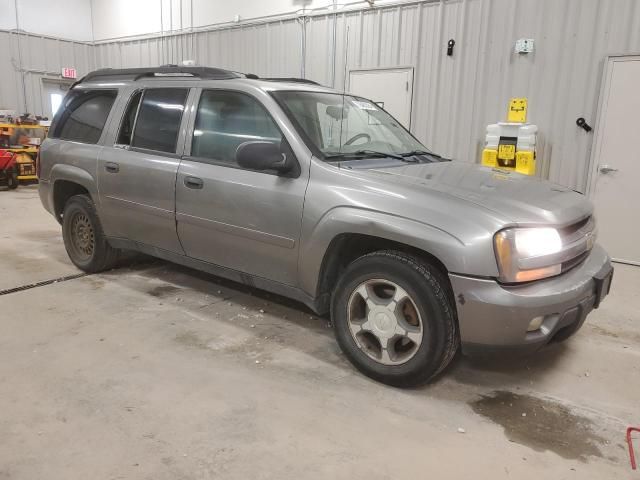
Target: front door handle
pixel 607 169
pixel 112 167
pixel 193 182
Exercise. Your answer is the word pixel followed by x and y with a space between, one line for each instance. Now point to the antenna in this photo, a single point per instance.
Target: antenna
pixel 346 59
pixel 344 84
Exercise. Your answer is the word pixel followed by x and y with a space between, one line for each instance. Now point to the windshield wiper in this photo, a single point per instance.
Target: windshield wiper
pixel 425 153
pixel 367 154
pixel 378 154
pixel 420 152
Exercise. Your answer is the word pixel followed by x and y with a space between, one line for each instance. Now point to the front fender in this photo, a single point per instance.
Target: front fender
pixel 450 250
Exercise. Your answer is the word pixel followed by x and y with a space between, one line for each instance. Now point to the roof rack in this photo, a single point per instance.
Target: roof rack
pixel 162 71
pixel 290 79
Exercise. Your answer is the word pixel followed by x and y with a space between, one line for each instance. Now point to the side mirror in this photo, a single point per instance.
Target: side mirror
pixel 262 156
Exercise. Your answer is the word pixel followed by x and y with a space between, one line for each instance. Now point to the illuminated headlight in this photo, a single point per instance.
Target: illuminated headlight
pixel 526 254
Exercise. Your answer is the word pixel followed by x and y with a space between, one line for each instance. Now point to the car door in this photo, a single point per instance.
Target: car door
pixel 233 217
pixel 137 175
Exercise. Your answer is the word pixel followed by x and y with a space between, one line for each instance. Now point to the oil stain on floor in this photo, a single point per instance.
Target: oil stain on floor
pixel 162 291
pixel 541 424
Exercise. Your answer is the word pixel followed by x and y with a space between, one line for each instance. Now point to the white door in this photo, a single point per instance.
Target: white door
pixel 53 91
pixel 391 89
pixel 615 178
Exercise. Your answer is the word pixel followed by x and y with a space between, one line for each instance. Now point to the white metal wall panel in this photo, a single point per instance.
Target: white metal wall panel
pixel 42 57
pixel 10 83
pixel 271 49
pixel 454 97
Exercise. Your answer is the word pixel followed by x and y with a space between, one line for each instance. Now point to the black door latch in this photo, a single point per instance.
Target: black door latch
pixel 582 123
pixel 450 45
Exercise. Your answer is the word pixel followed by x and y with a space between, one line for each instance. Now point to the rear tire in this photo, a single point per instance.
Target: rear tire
pixel 84 239
pixel 394 319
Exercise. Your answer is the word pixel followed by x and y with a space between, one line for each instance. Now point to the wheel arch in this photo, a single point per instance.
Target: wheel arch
pixel 67 181
pixel 341 237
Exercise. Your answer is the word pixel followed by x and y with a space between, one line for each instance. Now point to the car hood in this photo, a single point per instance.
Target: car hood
pixel 518 199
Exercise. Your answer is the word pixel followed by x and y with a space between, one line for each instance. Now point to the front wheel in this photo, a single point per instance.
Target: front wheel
pixel 84 240
pixel 393 318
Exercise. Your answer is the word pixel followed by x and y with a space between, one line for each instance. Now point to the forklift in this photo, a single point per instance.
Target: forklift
pixel 8 170
pixel 20 139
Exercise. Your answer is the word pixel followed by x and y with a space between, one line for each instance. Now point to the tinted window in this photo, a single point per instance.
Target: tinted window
pixel 227 119
pixel 159 119
pixel 84 115
pixel 128 121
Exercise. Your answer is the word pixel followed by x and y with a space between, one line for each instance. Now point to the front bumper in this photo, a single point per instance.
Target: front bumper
pixel 493 317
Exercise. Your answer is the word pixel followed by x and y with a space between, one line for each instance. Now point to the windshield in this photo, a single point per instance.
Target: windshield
pixel 336 125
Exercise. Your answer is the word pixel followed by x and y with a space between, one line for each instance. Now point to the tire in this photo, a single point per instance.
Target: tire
pixel 12 180
pixel 84 239
pixel 427 308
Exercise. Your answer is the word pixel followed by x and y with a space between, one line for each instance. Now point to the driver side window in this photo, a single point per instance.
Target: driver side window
pixel 224 121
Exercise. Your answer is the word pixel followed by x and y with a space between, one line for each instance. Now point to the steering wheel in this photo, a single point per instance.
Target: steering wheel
pixel 357 137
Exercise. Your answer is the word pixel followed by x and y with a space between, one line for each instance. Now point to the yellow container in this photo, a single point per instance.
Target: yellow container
pixel 490 157
pixel 526 163
pixel 517 110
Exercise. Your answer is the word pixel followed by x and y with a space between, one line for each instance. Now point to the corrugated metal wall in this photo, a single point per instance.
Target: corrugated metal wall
pixel 42 57
pixel 273 49
pixel 454 97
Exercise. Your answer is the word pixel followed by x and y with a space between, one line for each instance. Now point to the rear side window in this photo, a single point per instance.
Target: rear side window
pixel 84 114
pixel 225 120
pixel 159 117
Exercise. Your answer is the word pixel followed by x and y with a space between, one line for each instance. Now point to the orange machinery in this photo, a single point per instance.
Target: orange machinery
pixel 19 143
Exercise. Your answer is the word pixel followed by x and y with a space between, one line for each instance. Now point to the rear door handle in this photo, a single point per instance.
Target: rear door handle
pixel 193 182
pixel 112 167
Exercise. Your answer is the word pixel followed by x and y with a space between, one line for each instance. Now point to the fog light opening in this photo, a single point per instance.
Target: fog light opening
pixel 535 324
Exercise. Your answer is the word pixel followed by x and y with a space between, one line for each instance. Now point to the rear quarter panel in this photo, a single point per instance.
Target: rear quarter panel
pixel 71 161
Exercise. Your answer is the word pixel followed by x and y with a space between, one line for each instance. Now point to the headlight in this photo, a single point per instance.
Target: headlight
pixel 526 254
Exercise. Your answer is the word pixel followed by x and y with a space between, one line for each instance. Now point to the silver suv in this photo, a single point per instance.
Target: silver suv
pixel 323 197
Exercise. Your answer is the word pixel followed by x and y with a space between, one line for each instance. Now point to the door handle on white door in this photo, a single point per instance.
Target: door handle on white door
pixel 607 169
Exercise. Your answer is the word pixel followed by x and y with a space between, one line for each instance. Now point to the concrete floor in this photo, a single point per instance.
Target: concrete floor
pixel 160 372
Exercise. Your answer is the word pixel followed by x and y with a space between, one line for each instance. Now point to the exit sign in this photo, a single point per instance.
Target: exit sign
pixel 69 72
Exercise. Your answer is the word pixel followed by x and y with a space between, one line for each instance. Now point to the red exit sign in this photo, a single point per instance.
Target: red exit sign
pixel 69 72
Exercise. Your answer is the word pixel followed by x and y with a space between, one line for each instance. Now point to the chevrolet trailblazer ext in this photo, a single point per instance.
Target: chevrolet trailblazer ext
pixel 325 198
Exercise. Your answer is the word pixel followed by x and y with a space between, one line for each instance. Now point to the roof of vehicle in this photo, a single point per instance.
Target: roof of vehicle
pixel 177 73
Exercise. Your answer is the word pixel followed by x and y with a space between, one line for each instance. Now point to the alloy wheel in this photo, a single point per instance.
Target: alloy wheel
pixel 384 321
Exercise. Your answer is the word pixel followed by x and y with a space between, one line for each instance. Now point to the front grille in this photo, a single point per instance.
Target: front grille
pixel 578 240
pixel 575 261
pixel 580 229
